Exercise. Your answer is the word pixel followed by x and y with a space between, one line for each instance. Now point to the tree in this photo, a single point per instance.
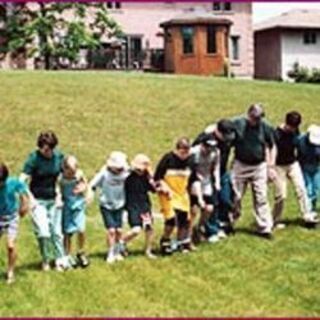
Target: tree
pixel 56 31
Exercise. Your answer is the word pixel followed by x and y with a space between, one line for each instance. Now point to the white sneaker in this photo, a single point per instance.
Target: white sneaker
pixel 213 239
pixel 222 235
pixel 280 226
pixel 45 266
pixel 119 257
pixel 111 259
pixel 150 255
pixel 312 217
pixel 10 277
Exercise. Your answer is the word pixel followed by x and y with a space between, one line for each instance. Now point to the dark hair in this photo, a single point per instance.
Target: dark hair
pixel 183 143
pixel 293 119
pixel 225 126
pixel 4 172
pixel 48 138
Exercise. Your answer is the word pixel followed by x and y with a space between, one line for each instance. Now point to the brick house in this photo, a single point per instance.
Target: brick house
pixel 143 34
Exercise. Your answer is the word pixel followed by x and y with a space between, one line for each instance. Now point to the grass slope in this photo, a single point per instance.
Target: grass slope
pixel 94 113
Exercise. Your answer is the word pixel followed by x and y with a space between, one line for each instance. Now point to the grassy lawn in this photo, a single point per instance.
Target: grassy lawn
pixel 94 113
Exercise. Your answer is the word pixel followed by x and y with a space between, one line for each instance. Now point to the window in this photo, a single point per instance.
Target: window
pixel 211 39
pixel 221 6
pixel 187 39
pixel 310 37
pixel 114 5
pixel 235 47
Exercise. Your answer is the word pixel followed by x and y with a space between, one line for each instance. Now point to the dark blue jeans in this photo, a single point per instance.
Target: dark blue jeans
pixel 223 204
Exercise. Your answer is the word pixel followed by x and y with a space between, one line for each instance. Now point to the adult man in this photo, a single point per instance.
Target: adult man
pixel 288 167
pixel 254 163
pixel 173 176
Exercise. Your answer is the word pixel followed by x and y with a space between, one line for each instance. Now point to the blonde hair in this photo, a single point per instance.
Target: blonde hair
pixel 70 162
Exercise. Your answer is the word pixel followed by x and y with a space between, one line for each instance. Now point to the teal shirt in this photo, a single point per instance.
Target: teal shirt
pixel 70 200
pixel 251 142
pixel 44 173
pixel 9 197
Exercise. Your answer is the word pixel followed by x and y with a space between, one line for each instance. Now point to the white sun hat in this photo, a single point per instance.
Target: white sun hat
pixel 314 134
pixel 141 162
pixel 118 160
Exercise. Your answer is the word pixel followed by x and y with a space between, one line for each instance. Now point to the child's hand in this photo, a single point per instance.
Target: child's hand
pixel 80 188
pixel 59 203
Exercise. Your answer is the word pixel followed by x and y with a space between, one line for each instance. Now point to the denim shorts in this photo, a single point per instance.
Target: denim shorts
pixel 112 219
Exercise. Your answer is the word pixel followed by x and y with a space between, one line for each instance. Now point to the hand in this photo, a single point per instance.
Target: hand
pixel 202 204
pixel 59 203
pixel 80 188
pixel 272 174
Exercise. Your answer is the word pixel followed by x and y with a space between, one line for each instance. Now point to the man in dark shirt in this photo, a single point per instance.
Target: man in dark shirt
pixel 288 167
pixel 253 164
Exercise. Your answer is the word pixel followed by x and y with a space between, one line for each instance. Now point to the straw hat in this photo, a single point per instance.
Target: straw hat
pixel 314 134
pixel 141 162
pixel 117 160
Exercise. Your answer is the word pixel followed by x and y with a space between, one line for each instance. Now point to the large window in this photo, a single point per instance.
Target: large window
pixel 187 39
pixel 235 48
pixel 221 6
pixel 310 37
pixel 211 39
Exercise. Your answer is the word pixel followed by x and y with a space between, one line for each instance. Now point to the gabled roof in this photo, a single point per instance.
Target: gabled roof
pixel 294 19
pixel 191 17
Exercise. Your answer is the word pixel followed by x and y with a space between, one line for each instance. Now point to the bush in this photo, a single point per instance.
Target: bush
pixel 303 74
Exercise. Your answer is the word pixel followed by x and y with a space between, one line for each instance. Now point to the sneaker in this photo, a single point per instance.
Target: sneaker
pixel 72 262
pixel 119 257
pixel 185 247
pixel 111 259
pixel 59 268
pixel 83 260
pixel 45 266
pixel 213 239
pixel 280 226
pixel 311 219
pixel 10 277
pixel 222 235
pixel 150 255
pixel 166 247
pixel 123 249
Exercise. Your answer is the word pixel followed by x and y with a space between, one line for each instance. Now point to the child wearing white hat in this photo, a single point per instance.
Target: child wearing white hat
pixel 110 182
pixel 309 159
pixel 137 186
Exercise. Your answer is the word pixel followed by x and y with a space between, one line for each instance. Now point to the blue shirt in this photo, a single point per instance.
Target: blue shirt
pixel 9 197
pixel 308 154
pixel 70 200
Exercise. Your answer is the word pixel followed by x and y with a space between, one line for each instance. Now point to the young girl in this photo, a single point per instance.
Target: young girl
pixel 110 181
pixel 13 202
pixel 138 204
pixel 73 186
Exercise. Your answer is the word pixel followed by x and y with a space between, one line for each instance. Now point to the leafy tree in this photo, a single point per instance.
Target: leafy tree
pixel 56 31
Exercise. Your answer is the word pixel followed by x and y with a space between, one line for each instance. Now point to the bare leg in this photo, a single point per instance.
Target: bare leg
pixel 67 243
pixel 81 241
pixel 12 257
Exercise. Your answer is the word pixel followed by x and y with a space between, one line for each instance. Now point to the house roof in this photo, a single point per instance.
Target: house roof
pixel 192 17
pixel 294 19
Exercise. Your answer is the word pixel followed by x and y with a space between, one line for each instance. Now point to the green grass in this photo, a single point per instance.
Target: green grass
pixel 94 113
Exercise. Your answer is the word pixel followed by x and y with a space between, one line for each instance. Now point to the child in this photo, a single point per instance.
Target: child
pixel 11 191
pixel 203 192
pixel 110 180
pixel 73 187
pixel 138 204
pixel 309 159
pixel 174 173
